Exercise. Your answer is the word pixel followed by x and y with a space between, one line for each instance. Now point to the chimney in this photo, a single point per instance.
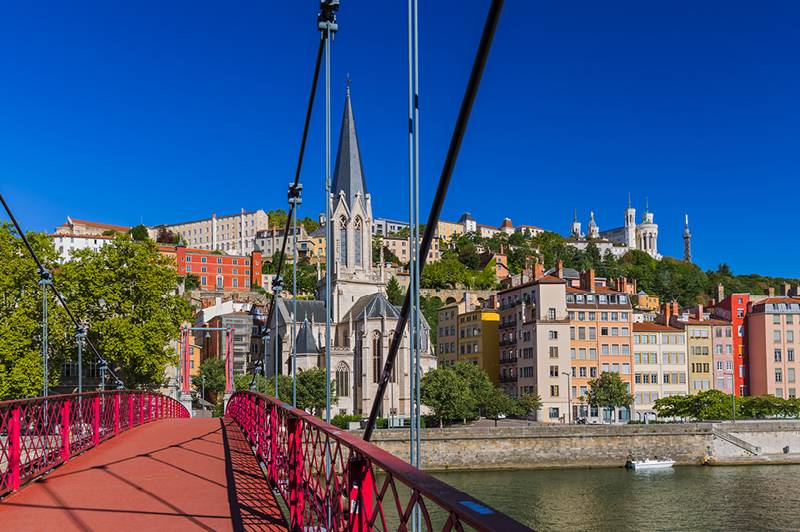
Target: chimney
pixel 589 280
pixel 666 311
pixel 675 308
pixel 467 302
pixel 769 292
pixel 786 288
pixel 699 312
pixel 560 270
pixel 749 308
pixel 796 291
pixel 538 271
pixel 720 292
pixel 712 302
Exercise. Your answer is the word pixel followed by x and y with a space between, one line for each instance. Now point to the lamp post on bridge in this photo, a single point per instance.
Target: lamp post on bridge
pixel 203 396
pixel 186 395
pixel 569 396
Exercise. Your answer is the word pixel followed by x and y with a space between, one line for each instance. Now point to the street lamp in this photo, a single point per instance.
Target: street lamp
pixel 569 396
pixel 203 396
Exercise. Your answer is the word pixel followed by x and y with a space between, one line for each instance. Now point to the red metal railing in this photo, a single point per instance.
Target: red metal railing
pixel 332 480
pixel 38 434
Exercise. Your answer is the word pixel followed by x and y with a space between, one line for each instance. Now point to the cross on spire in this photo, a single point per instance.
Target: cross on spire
pixel 348 80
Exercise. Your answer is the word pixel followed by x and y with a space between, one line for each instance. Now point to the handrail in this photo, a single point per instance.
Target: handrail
pixel 333 480
pixel 39 434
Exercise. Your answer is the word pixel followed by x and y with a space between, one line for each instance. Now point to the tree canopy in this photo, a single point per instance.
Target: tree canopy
pixel 608 390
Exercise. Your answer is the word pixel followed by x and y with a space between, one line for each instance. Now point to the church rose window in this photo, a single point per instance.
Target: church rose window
pixel 342 380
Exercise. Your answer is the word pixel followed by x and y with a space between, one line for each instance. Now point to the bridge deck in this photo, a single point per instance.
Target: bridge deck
pixel 174 474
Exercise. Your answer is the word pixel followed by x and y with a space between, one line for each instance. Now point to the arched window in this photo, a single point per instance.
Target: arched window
pixel 377 356
pixel 357 239
pixel 394 367
pixel 343 240
pixel 342 380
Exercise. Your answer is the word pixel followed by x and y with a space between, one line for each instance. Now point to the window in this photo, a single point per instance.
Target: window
pixel 614 331
pixel 592 353
pixel 719 349
pixel 728 349
pixel 776 318
pixel 777 355
pixel 603 331
pixel 357 239
pixel 789 334
pixel 581 333
pixel 605 367
pixel 377 356
pixel 615 349
pixel 604 350
pixel 636 339
pixel 778 375
pixel 790 355
pixel 729 365
pixel 554 393
pixel 343 241
pixel 572 333
pixel 615 367
pixel 776 336
pixel 603 315
pixel 582 372
pixel 789 319
pixel 553 335
pixel 553 352
pixel 625 331
pixel 790 375
pixel 552 313
pixel 637 378
pixel 554 371
pixel 582 353
pixel 572 353
pixel 719 365
pixel 593 372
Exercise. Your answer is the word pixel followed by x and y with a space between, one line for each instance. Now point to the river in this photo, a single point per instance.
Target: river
pixel 685 498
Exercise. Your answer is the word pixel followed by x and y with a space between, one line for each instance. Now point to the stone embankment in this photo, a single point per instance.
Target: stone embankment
pixel 526 447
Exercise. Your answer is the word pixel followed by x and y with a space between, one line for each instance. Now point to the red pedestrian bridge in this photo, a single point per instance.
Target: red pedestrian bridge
pixel 127 460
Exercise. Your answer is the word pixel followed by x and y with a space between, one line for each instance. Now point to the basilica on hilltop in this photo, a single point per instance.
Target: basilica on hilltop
pixel 362 319
pixel 643 236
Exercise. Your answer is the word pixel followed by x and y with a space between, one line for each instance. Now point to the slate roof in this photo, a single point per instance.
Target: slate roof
pixel 305 310
pixel 375 306
pixel 348 173
pixel 305 340
pixel 466 217
pixel 319 231
pixel 569 273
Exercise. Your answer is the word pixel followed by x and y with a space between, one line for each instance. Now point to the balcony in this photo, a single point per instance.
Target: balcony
pixel 508 325
pixel 509 360
pixel 508 378
pixel 506 343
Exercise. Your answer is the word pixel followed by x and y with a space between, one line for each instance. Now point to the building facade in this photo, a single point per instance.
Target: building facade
pixel 478 341
pixel 234 234
pixel 217 271
pixel 773 331
pixel 659 366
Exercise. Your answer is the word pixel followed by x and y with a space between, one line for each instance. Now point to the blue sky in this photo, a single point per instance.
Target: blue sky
pixel 166 111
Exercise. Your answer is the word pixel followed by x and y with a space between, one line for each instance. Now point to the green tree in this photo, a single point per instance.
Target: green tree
pixel 552 248
pixel 21 368
pixel 285 384
pixel 477 381
pixel 442 274
pixel 496 404
pixel 468 256
pixel 430 311
pixel 529 403
pixel 139 233
pixel 608 391
pixel 446 393
pixel 214 371
pixel 277 217
pixel 248 381
pixel 394 293
pixel 190 282
pixel 127 293
pixel 311 391
pixel 309 223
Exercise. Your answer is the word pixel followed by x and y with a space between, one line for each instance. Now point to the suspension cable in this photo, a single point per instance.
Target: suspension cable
pixel 44 271
pixel 462 121
pixel 294 191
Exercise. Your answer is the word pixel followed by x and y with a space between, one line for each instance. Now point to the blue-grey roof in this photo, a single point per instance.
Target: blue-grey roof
pixel 376 306
pixel 305 340
pixel 466 217
pixel 305 309
pixel 348 173
pixel 319 231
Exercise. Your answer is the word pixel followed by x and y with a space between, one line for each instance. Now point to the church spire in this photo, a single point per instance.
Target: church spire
pixel 348 172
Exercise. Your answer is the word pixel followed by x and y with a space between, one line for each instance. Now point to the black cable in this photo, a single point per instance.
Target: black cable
pixel 471 92
pixel 271 310
pixel 43 270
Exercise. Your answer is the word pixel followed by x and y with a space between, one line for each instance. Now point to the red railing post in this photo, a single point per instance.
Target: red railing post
pixel 96 420
pixel 141 408
pixel 116 413
pixel 272 439
pixel 14 438
pixel 130 410
pixel 361 488
pixel 65 430
pixel 296 491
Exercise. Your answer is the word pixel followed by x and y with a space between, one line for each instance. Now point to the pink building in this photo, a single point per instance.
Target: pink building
pixel 772 326
pixel 722 348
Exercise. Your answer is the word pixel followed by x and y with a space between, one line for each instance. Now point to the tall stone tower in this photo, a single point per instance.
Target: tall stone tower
pixel 687 242
pixel 351 222
pixel 630 225
pixel 575 228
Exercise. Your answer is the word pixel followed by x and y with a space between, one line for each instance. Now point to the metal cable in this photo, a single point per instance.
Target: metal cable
pixel 54 287
pixel 462 121
pixel 272 305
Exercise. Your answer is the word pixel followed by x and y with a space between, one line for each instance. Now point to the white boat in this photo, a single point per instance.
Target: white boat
pixel 650 464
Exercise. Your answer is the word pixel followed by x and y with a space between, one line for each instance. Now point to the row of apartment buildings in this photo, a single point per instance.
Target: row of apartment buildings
pixel 552 335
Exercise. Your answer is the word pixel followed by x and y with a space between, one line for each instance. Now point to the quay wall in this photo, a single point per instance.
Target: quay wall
pixel 586 445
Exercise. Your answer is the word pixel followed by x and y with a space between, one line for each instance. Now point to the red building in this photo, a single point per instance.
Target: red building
pixel 734 309
pixel 216 271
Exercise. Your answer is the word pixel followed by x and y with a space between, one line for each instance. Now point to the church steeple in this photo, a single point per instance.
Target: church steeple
pixel 348 172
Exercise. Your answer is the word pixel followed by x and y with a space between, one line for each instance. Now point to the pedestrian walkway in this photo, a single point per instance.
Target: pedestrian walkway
pixel 173 474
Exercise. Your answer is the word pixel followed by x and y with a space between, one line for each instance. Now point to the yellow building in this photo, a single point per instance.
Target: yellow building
pixel 446 230
pixel 479 341
pixel 642 301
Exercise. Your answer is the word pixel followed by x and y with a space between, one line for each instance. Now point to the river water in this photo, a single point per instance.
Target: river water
pixel 685 498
